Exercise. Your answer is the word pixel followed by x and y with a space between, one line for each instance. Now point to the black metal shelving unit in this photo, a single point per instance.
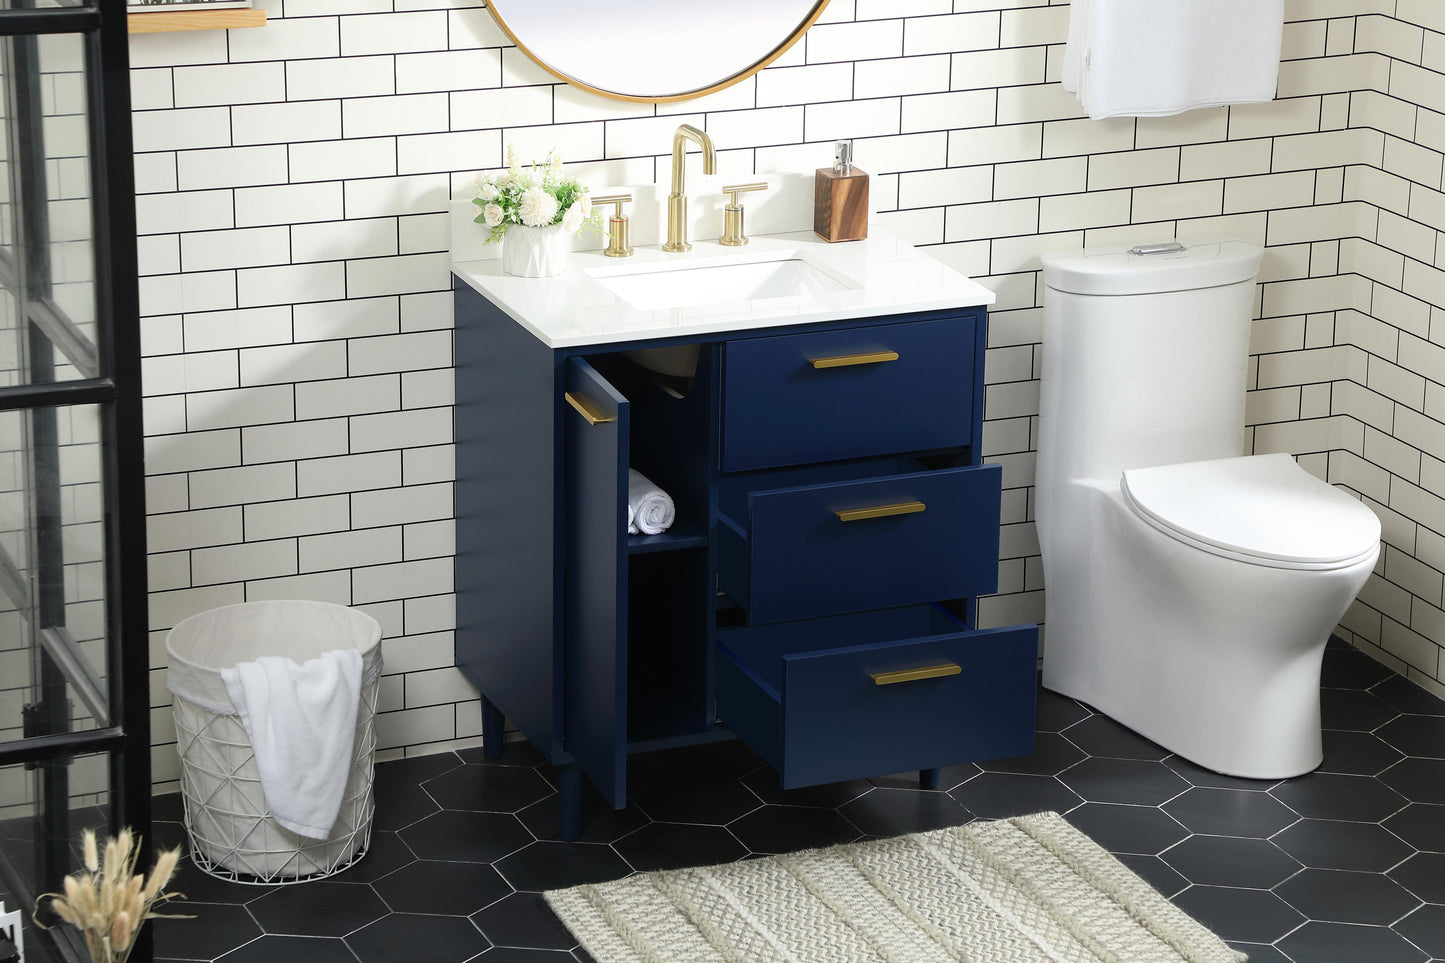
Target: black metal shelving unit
pixel 74 689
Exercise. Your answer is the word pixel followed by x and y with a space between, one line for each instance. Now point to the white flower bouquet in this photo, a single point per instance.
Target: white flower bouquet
pixel 536 196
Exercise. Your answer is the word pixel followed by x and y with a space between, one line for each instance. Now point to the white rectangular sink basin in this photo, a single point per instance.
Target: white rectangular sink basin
pixel 663 286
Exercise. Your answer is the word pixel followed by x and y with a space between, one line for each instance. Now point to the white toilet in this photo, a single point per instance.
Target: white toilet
pixel 1189 592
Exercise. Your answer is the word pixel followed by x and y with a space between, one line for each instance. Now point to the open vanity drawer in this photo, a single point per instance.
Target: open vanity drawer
pixel 873 542
pixel 878 692
pixel 851 393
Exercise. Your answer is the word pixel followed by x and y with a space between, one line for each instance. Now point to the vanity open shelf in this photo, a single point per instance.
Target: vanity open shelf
pixel 816 595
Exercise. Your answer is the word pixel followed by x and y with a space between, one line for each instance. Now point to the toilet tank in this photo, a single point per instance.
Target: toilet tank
pixel 1145 357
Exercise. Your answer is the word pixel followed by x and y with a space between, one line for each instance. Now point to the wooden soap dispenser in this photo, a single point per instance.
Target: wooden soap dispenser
pixel 840 198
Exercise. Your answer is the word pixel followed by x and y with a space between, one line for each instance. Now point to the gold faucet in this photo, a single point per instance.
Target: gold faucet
pixel 677 200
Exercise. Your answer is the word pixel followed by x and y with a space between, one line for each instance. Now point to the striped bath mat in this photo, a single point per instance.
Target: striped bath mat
pixel 1017 890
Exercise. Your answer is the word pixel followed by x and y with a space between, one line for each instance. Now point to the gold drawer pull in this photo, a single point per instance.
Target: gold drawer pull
pixel 879 511
pixel 913 675
pixel 586 411
pixel 844 360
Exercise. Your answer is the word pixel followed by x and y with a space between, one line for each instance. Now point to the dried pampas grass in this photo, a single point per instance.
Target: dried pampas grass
pixel 110 901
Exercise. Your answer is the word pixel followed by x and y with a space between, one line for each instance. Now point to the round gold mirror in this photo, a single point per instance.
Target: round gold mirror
pixel 654 50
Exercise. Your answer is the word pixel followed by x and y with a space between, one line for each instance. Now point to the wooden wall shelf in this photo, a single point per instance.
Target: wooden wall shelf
pixel 166 22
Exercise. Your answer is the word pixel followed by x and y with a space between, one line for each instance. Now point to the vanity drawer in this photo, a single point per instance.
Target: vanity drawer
pixel 890 540
pixel 858 708
pixel 831 395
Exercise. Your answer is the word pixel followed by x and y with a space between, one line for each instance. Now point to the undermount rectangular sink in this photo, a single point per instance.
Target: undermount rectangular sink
pixel 662 286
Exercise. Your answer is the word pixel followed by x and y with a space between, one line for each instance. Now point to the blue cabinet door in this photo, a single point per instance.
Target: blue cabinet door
pixel 595 578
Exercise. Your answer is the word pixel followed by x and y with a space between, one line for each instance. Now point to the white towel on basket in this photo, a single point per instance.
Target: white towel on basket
pixel 1151 58
pixel 649 509
pixel 301 719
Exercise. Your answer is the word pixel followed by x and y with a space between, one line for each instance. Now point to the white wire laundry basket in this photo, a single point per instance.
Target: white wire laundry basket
pixel 232 834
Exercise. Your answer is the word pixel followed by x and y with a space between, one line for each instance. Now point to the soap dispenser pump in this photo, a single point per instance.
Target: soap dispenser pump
pixel 840 198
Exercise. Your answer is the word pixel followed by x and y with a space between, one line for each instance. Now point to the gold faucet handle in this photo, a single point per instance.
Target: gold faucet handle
pixel 737 189
pixel 733 235
pixel 619 231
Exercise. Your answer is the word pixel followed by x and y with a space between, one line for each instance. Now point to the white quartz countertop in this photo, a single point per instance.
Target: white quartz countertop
pixel 881 275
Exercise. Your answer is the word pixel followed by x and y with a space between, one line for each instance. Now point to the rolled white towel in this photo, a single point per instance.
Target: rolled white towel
pixel 649 509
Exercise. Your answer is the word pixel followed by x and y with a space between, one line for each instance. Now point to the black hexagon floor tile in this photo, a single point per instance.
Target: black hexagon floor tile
pixel 1328 795
pixel 1321 942
pixel 765 785
pixel 312 949
pixel 400 803
pixel 1146 830
pixel 1230 812
pixel 1418 780
pixel 495 789
pixel 319 908
pixel 1348 668
pixel 600 823
pixel 948 777
pixel 524 920
pixel 1354 709
pixel 890 812
pixel 1101 736
pixel 404 938
pixel 510 954
pixel 1416 735
pixel 215 928
pixel 1155 872
pixel 1357 753
pixel 548 865
pixel 385 853
pixel 1406 696
pixel 1055 713
pixel 446 888
pixel 688 801
pixel 675 845
pixel 994 795
pixel 471 837
pixel 1196 775
pixel 1426 929
pixel 1251 915
pixel 1421 825
pixel 1342 896
pixel 1424 875
pixel 1333 844
pixel 1259 953
pixel 1226 861
pixel 515 752
pixel 1053 753
pixel 785 829
pixel 1136 781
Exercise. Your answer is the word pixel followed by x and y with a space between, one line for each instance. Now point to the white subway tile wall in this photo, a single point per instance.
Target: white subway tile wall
pixel 293 184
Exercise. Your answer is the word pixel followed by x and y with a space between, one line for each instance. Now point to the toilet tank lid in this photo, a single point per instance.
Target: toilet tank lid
pixel 1264 506
pixel 1151 268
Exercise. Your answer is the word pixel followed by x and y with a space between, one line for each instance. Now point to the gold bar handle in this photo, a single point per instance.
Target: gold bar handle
pixel 587 411
pixel 913 675
pixel 879 511
pixel 843 361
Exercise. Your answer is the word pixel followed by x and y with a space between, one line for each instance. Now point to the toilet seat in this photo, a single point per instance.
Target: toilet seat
pixel 1260 509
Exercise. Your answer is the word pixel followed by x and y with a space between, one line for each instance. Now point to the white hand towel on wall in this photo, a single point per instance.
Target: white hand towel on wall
pixel 302 723
pixel 649 509
pixel 1151 58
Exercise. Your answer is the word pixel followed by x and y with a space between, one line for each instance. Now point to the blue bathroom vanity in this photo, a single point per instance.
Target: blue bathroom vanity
pixel 819 435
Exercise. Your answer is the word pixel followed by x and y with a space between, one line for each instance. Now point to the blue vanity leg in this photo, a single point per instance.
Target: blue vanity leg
pixel 569 802
pixel 493 730
pixel 928 778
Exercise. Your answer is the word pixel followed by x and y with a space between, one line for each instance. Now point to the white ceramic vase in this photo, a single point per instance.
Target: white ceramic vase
pixel 535 252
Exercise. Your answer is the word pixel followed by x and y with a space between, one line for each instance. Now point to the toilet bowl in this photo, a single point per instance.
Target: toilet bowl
pixel 1189 589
